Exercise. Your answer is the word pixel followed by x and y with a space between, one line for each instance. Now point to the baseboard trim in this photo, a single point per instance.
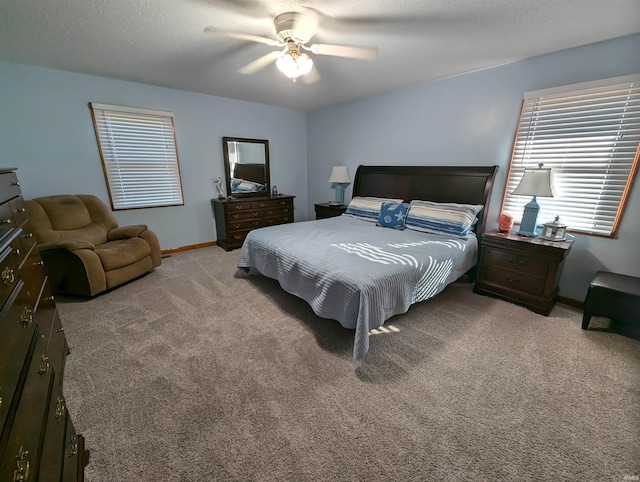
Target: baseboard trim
pixel 188 248
pixel 571 302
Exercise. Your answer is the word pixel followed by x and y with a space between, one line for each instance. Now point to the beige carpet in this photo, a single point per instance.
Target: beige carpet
pixel 193 374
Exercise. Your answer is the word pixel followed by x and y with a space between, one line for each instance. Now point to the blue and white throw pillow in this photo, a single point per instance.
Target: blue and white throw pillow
pixel 442 218
pixel 367 208
pixel 393 215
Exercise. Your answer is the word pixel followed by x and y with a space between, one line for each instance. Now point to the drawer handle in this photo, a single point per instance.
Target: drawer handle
pixel 269 212
pixel 7 276
pixel 270 221
pixel 282 203
pixel 512 280
pixel 16 252
pixel 60 408
pixel 285 210
pixel 73 446
pixel 5 221
pixel 236 216
pixel 262 205
pixel 26 318
pixel 15 183
pixel 516 262
pixel 21 210
pixel 255 214
pixel 237 226
pixel 27 236
pixel 39 263
pixel 44 365
pixel 238 206
pixel 238 236
pixel 21 474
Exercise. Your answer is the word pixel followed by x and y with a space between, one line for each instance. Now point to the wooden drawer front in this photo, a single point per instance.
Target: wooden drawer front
pixel 237 206
pixel 272 203
pixel 26 435
pixel 32 273
pixel 6 216
pixel 237 237
pixel 9 267
pixel 235 226
pixel 75 457
pixel 54 439
pixel 27 237
pixel 239 216
pixel 9 186
pixel 16 324
pixel 278 220
pixel 515 280
pixel 44 310
pixel 58 348
pixel 18 210
pixel 526 264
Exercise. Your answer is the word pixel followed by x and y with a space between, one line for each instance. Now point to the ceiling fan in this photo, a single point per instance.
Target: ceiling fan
pixel 294 31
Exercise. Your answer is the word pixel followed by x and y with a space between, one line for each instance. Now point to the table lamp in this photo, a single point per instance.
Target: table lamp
pixel 340 179
pixel 534 182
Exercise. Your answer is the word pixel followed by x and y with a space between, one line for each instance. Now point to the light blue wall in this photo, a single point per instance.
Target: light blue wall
pixel 47 133
pixel 470 120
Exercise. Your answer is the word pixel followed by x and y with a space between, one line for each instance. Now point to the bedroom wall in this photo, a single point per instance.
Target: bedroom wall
pixel 471 120
pixel 47 133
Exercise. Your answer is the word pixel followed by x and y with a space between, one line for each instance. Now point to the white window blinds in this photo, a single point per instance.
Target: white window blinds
pixel 139 156
pixel 589 135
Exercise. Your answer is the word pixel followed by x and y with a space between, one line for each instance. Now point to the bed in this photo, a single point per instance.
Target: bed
pixel 350 269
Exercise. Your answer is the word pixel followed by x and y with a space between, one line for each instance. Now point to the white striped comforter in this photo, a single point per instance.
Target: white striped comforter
pixel 355 272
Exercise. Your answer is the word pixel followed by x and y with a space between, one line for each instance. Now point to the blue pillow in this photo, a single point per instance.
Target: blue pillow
pixel 393 215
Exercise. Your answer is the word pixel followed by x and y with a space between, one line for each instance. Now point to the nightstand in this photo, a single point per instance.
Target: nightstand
pixel 326 210
pixel 522 270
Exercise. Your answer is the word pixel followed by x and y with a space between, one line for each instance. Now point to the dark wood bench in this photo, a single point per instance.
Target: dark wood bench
pixel 615 296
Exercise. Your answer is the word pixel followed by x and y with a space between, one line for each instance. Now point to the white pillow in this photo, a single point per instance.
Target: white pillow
pixel 367 208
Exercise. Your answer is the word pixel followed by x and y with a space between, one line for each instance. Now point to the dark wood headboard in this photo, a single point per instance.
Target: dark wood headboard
pixel 454 184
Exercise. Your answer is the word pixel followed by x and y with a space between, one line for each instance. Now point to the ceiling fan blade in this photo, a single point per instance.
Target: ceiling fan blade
pixel 241 35
pixel 259 64
pixel 345 51
pixel 312 77
pixel 305 25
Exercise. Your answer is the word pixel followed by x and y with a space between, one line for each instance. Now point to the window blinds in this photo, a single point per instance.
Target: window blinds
pixel 139 156
pixel 589 136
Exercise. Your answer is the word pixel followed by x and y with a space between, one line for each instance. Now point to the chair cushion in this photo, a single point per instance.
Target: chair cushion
pixel 122 252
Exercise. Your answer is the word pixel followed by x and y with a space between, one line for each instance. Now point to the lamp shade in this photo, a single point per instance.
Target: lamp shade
pixel 535 182
pixel 340 174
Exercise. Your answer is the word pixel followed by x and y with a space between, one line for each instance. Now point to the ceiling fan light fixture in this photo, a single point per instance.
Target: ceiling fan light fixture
pixel 294 64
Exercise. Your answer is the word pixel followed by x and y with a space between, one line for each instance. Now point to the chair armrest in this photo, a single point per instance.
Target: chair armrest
pixel 69 245
pixel 126 232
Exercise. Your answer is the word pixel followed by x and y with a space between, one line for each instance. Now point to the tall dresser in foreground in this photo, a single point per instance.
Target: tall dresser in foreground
pixel 37 438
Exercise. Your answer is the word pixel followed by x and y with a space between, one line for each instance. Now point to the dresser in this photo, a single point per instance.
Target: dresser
pixel 236 217
pixel 522 270
pixel 37 437
pixel 328 210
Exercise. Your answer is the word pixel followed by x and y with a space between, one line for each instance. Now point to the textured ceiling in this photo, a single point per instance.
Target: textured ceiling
pixel 161 42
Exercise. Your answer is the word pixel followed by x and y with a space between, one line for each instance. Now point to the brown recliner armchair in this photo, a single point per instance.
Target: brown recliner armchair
pixel 83 249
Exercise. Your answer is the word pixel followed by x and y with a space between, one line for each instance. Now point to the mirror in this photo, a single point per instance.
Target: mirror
pixel 246 166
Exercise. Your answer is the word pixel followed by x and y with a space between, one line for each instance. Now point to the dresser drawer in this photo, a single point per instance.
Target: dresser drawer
pixel 272 203
pixel 235 226
pixel 18 210
pixel 9 266
pixel 238 206
pixel 53 450
pixel 26 434
pixel 515 280
pixel 243 215
pixel 9 186
pixel 522 263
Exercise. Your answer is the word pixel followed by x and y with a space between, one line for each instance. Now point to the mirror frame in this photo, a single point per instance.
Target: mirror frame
pixel 227 167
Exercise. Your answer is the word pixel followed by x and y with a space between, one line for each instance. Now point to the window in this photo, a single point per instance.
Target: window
pixel 139 156
pixel 589 135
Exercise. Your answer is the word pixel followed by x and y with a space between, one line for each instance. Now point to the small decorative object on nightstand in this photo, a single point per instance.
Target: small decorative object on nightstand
pixel 554 230
pixel 329 210
pixel 522 270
